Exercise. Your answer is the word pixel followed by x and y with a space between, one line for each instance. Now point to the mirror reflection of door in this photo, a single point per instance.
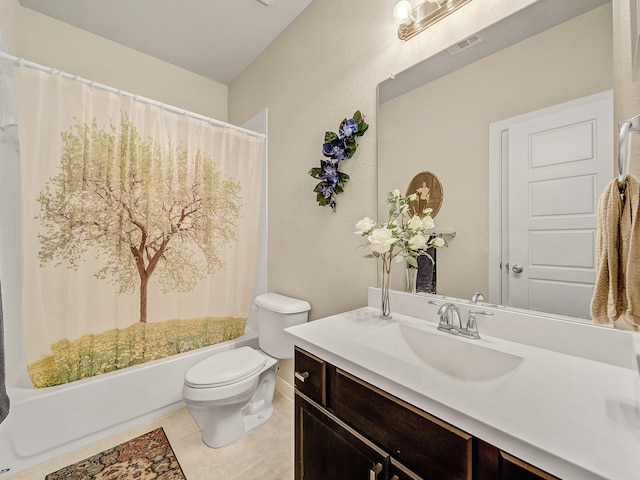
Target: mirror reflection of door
pixel 558 162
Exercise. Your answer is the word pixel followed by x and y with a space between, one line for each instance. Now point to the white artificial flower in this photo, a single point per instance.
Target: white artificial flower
pixel 380 240
pixel 427 222
pixel 438 242
pixel 415 223
pixel 364 226
pixel 412 198
pixel 417 242
pixel 396 193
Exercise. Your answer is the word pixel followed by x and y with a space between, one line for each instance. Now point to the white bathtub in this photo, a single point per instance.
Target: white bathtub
pixel 48 422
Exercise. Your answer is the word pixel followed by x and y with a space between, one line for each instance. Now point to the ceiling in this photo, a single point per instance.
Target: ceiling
pixel 217 39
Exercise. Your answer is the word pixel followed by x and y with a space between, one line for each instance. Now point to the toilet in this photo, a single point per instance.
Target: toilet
pixel 231 393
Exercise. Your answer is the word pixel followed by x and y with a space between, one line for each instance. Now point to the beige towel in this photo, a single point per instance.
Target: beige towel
pixel 617 290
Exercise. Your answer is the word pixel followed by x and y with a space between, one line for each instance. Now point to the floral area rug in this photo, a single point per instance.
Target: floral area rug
pixel 147 457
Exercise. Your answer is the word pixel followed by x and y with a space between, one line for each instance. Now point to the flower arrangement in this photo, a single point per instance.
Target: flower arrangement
pixel 336 147
pixel 402 238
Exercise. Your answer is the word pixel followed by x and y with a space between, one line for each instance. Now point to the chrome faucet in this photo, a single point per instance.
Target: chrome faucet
pixel 446 323
pixel 449 313
pixel 477 296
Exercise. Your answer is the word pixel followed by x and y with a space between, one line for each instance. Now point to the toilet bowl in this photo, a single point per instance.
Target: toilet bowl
pixel 231 393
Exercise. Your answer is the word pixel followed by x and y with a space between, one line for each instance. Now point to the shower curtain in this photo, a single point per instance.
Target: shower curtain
pixel 139 228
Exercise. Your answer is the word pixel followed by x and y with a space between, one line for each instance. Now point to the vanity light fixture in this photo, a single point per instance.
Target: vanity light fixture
pixel 412 21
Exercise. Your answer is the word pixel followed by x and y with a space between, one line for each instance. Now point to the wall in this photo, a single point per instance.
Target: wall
pixel 47 41
pixel 325 66
pixel 443 127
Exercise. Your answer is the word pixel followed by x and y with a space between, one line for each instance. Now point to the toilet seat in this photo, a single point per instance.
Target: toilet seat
pixel 225 368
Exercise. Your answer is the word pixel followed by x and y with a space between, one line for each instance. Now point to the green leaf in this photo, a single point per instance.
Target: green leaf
pixel 357 117
pixel 328 136
pixel 315 172
pixel 412 262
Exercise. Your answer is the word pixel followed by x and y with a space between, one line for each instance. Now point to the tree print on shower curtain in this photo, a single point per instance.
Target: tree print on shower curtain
pixel 139 228
pixel 145 216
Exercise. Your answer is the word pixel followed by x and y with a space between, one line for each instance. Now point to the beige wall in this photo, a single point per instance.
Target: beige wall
pixel 9 22
pixel 443 127
pixel 627 92
pixel 43 40
pixel 325 66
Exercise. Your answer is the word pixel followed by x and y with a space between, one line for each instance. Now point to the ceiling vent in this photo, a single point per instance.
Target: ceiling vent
pixel 464 44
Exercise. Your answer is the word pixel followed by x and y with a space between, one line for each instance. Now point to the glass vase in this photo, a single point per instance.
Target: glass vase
pixel 412 276
pixel 385 284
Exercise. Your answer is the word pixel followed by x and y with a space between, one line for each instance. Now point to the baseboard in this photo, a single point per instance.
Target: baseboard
pixel 284 387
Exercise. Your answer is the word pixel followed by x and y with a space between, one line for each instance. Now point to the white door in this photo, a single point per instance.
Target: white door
pixel 559 163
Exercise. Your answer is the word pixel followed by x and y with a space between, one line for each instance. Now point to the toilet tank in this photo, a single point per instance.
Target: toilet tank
pixel 275 313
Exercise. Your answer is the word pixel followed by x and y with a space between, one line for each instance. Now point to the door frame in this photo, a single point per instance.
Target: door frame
pixel 499 197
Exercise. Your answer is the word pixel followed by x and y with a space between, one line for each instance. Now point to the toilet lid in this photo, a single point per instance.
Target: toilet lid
pixel 225 368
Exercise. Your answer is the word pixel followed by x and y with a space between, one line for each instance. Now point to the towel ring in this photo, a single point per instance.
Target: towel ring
pixel 625 128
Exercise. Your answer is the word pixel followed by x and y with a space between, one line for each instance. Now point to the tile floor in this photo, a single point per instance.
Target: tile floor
pixel 265 454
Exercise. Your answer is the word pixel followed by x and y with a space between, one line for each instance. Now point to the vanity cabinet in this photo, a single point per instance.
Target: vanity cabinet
pixel 330 449
pixel 347 429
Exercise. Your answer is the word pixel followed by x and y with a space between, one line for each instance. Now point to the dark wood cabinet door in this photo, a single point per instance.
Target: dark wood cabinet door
pixel 398 471
pixel 425 444
pixel 327 449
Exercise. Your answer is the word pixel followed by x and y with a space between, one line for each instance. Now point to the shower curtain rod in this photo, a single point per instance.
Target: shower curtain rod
pixel 170 108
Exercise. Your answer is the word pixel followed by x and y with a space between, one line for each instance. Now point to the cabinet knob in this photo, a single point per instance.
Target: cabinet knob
pixel 375 471
pixel 302 376
pixel 395 477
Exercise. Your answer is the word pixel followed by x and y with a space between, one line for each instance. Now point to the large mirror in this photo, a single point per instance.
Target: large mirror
pixel 437 117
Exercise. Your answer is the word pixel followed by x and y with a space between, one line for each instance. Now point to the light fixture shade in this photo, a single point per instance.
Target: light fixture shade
pixel 402 13
pixel 425 15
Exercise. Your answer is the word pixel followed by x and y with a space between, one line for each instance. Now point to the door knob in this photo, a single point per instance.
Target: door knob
pixel 517 268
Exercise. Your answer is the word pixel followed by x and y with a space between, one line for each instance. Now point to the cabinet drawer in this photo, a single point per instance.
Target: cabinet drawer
pixel 310 375
pixel 494 464
pixel 515 469
pixel 422 442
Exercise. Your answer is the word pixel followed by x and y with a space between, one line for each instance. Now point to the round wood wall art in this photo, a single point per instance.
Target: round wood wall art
pixel 429 191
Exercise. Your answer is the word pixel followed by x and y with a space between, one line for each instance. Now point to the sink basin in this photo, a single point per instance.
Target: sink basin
pixel 464 359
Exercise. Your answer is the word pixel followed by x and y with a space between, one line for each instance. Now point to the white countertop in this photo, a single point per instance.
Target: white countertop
pixel 573 416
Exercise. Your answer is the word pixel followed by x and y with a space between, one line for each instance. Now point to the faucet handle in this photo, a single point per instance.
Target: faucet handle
pixel 471 330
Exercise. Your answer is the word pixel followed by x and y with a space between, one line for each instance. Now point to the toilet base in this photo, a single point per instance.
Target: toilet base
pixel 223 424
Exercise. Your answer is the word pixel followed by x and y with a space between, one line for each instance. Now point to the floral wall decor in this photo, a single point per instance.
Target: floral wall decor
pixel 336 147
